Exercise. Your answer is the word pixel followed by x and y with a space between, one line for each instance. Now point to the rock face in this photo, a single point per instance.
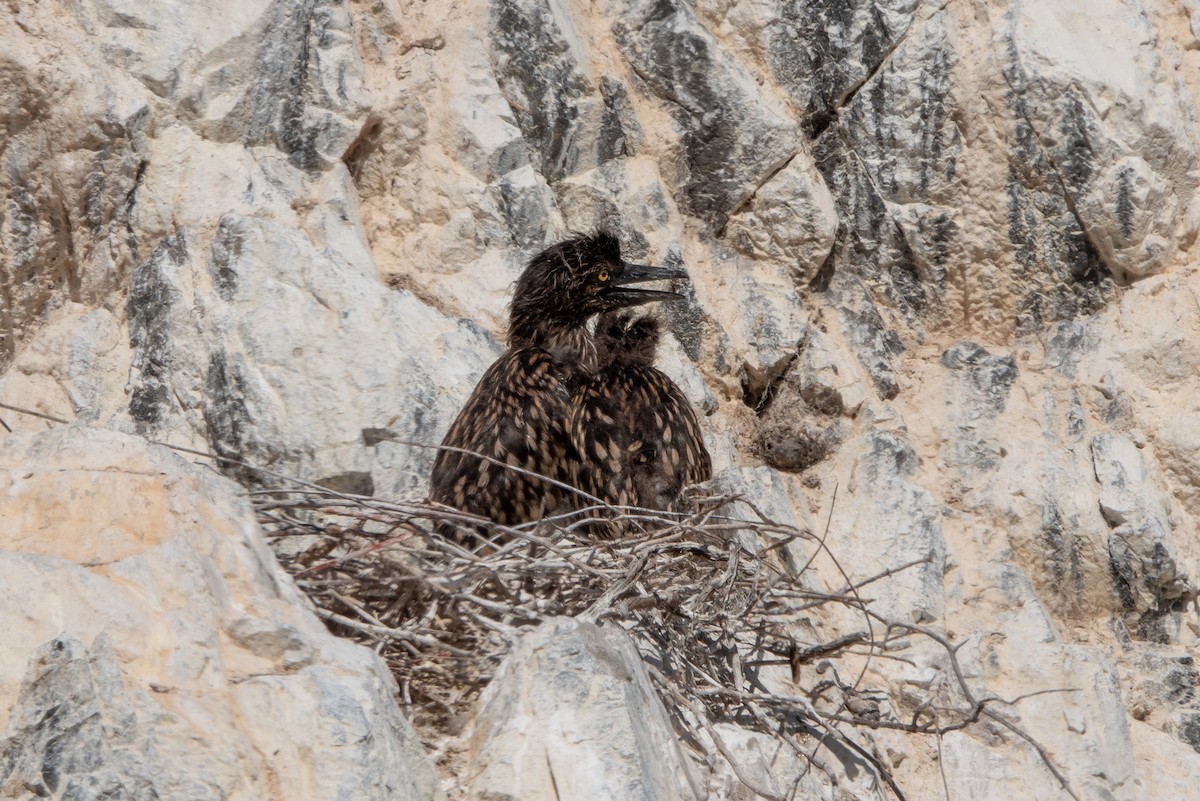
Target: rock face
pixel 153 649
pixel 943 305
pixel 572 715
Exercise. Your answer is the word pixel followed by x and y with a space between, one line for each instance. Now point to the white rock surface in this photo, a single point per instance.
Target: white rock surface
pixel 571 714
pixel 249 354
pixel 153 648
pixel 944 272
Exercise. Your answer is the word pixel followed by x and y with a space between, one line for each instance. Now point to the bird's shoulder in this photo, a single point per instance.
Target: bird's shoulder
pixel 630 386
pixel 521 379
pixel 623 403
pixel 517 416
pixel 653 409
pixel 522 368
pixel 520 382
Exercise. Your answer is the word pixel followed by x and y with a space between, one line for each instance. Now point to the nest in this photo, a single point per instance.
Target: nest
pixel 717 606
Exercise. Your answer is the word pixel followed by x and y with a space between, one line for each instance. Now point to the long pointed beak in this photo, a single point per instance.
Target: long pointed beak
pixel 639 273
pixel 620 295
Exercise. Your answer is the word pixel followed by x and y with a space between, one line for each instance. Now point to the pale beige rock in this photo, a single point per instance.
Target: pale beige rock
pixel 267 227
pixel 139 597
pixel 791 220
pixel 571 714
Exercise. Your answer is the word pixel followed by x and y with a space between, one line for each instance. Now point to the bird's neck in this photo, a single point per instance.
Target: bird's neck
pixel 572 345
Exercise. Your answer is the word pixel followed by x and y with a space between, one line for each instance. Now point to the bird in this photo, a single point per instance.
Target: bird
pixel 636 433
pixel 517 414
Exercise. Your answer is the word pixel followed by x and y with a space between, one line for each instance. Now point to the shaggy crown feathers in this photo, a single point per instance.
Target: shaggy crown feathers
pixel 560 289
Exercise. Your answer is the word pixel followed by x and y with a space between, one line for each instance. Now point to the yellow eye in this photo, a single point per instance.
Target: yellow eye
pixel 602 275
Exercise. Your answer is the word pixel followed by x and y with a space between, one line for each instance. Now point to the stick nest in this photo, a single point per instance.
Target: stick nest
pixel 717 606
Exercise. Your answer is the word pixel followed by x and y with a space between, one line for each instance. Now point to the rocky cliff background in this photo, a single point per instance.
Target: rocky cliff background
pixel 945 309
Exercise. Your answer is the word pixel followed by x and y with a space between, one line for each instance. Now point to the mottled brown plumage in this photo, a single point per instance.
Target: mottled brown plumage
pixel 518 412
pixel 637 436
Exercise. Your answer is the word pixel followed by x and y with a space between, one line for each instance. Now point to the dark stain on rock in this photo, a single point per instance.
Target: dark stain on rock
pixel 823 277
pixel 542 81
pixel 906 278
pixel 890 456
pixel 1124 202
pixel 226 252
pixel 1123 571
pixel 131 238
pixel 1066 277
pixel 227 418
pixel 620 134
pixel 1189 730
pixel 731 144
pixel 873 342
pixel 286 105
pixel 1052 534
pixel 940 230
pixel 1181 682
pixel 1065 346
pixel 152 296
pixel 685 320
pixel 524 210
pixel 1152 626
pixel 934 91
pixel 990 377
pixel 871 164
pixel 295 140
pixel 822 51
pixel 1062 558
pixel 1074 151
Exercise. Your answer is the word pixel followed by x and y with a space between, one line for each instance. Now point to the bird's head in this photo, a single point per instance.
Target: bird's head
pixel 567 284
pixel 623 339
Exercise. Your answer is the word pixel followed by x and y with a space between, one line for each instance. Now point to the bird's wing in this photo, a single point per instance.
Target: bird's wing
pixel 667 426
pixel 637 437
pixel 516 415
pixel 601 429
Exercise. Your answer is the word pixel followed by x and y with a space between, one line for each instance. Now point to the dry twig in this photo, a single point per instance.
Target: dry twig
pixel 708 615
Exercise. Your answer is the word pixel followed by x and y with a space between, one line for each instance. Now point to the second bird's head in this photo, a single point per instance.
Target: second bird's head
pixel 568 283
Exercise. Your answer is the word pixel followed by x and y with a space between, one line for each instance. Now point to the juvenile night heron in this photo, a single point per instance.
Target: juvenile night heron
pixel 637 436
pixel 518 413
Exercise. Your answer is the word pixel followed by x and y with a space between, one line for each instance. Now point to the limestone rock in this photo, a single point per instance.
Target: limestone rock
pixel 822 53
pixel 956 241
pixel 251 369
pixel 733 138
pixel 567 125
pixel 1141 547
pixel 1071 87
pixel 790 220
pixel 889 515
pixel 905 160
pixel 1095 739
pixel 571 714
pixel 155 650
pixel 807 414
pixel 983 384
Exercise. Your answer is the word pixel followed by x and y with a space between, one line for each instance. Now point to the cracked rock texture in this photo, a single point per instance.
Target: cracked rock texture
pixel 944 301
pixel 154 649
pixel 534 739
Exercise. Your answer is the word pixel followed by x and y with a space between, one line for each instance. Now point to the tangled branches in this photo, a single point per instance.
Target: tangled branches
pixel 717 606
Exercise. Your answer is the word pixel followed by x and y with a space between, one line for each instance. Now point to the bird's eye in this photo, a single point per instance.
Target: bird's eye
pixel 602 275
